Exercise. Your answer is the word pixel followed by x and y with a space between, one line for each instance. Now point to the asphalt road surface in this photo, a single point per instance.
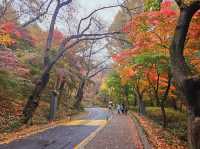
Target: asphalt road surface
pixel 64 136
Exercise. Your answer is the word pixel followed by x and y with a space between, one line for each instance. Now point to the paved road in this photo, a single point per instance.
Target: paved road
pixel 65 136
pixel 120 133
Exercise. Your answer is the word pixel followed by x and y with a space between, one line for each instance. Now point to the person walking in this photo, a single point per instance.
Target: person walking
pixel 118 108
pixel 110 105
pixel 125 109
pixel 122 108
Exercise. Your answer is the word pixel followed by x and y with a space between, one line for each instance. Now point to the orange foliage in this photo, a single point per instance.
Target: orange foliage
pixel 10 32
pixel 126 73
pixel 151 32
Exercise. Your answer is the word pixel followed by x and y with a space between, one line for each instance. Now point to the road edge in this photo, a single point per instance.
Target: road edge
pixel 142 134
pixel 35 129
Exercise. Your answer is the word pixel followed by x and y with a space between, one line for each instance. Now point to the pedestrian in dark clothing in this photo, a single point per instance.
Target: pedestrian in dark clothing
pixel 125 110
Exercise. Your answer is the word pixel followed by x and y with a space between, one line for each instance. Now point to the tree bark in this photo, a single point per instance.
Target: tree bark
pixel 181 106
pixel 142 109
pixel 61 89
pixel 164 98
pixel 125 91
pixel 134 99
pixel 135 102
pixel 174 104
pixel 188 83
pixel 33 100
pixel 163 115
pixel 50 35
pixel 79 94
pixel 157 89
pixel 141 105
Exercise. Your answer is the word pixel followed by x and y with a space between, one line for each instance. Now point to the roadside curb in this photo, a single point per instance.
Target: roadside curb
pixel 91 136
pixel 32 130
pixel 141 132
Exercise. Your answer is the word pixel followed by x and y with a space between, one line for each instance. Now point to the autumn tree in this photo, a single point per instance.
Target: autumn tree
pixel 187 81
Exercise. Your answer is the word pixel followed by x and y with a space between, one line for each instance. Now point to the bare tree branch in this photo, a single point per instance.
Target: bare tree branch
pixel 93 12
pixel 39 15
pixel 98 71
pixel 51 30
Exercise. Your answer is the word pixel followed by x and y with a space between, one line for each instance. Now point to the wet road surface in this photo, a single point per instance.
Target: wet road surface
pixel 65 136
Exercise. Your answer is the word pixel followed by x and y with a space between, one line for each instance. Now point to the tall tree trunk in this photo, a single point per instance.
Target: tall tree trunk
pixel 50 35
pixel 188 83
pixel 33 100
pixel 141 105
pixel 174 104
pixel 125 91
pixel 126 100
pixel 135 102
pixel 162 107
pixel 181 106
pixel 157 89
pixel 79 94
pixel 61 89
pixel 164 98
pixel 142 108
pixel 135 99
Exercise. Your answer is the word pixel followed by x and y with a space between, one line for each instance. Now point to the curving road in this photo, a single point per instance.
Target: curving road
pixel 64 136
